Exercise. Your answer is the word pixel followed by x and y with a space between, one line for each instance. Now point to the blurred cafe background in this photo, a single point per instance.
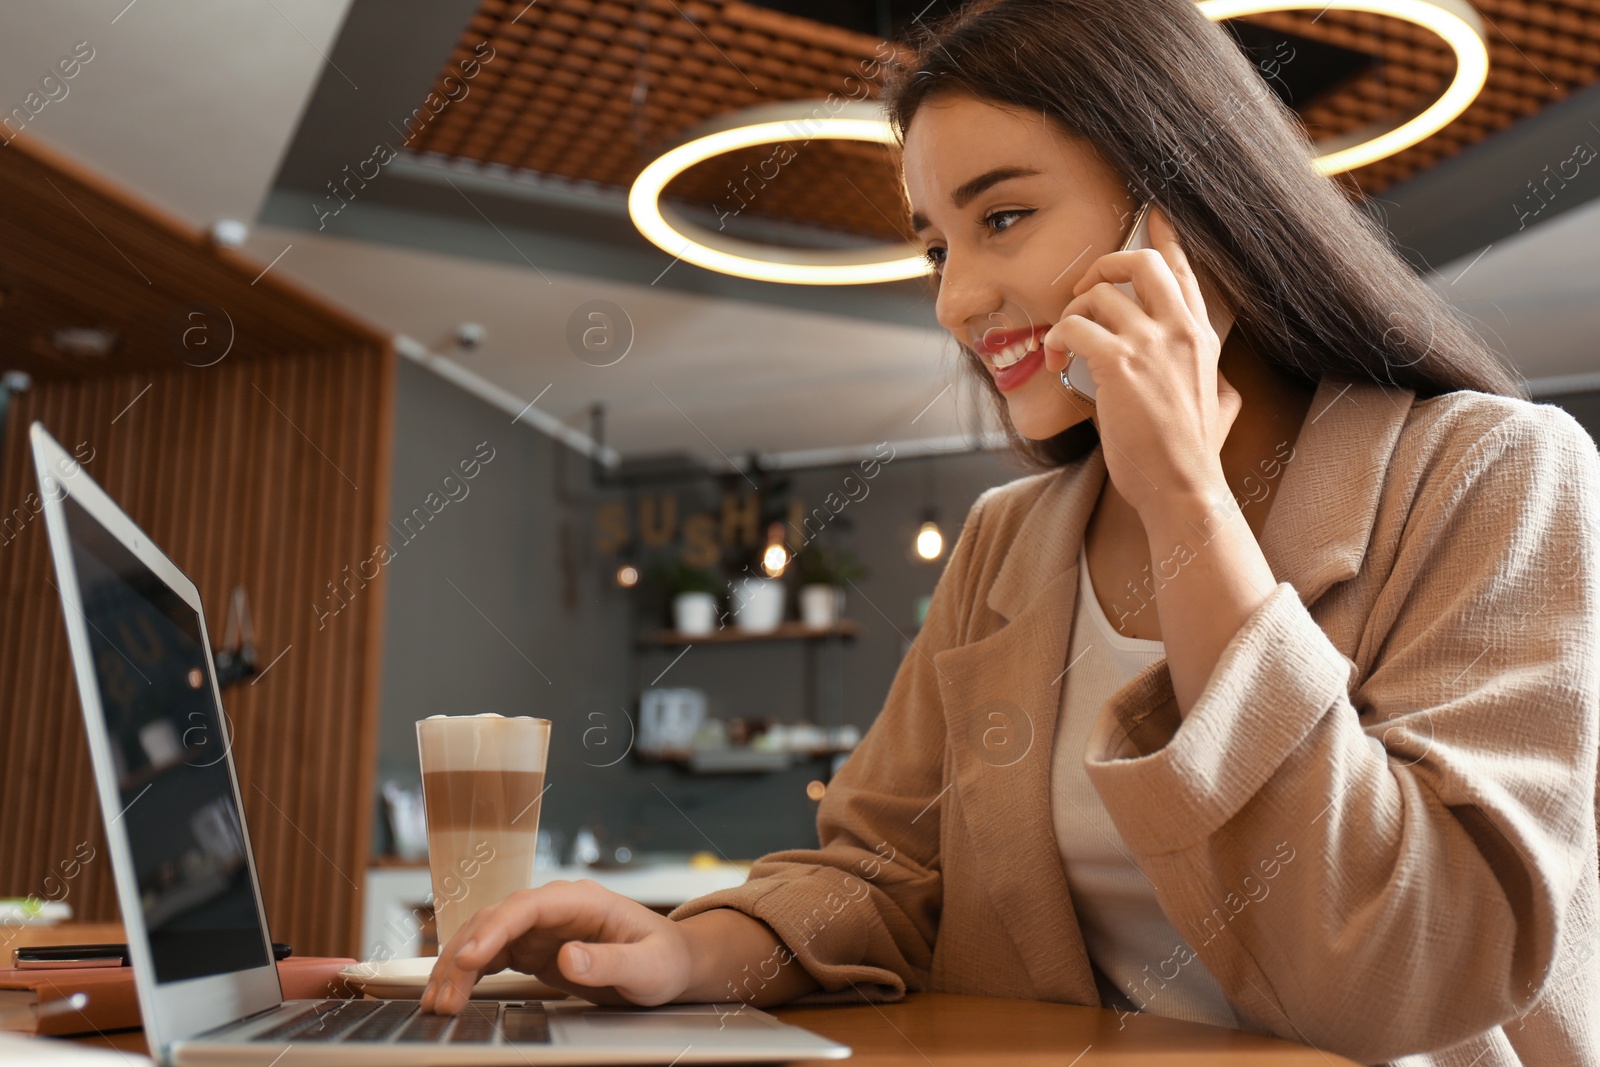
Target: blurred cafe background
pixel 362 309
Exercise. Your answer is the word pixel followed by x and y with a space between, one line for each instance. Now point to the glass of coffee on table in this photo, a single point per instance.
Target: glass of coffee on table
pixel 482 781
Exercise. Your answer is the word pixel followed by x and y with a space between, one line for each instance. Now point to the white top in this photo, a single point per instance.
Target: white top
pixel 1140 960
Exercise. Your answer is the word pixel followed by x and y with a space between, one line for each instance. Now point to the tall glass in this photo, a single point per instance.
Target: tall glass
pixel 482 781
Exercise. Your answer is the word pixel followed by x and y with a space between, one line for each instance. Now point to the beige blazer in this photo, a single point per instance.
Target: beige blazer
pixel 1377 826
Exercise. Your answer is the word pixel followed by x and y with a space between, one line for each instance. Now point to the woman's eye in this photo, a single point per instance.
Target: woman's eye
pixel 932 254
pixel 1001 214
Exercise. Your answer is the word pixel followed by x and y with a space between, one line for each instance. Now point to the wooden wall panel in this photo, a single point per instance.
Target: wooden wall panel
pixel 272 473
pixel 268 467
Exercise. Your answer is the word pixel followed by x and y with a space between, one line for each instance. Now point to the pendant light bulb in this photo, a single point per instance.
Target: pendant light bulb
pixel 776 556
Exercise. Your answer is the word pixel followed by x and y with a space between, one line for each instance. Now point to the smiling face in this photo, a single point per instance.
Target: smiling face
pixel 1012 213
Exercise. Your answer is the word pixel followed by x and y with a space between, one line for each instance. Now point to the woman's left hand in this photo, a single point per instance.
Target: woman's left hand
pixel 1162 407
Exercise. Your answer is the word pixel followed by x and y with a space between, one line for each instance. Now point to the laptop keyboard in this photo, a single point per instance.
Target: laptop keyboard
pixel 367 1021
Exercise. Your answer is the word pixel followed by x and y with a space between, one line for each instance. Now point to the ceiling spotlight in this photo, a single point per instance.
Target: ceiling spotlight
pixel 627 576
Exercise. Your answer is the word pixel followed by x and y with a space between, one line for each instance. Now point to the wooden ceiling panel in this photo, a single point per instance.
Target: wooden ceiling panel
pixel 560 96
pixel 77 252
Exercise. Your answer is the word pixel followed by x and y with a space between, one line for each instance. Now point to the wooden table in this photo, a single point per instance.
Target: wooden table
pixel 946 1030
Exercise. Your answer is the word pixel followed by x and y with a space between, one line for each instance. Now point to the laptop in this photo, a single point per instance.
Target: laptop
pixel 186 877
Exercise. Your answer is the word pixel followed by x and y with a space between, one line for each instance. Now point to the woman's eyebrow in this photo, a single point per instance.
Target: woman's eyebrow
pixel 972 187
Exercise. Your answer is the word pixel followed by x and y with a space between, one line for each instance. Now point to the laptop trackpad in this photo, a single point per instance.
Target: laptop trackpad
pixel 656 1028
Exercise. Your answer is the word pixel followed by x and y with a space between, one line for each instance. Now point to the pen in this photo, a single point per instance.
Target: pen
pixel 55 957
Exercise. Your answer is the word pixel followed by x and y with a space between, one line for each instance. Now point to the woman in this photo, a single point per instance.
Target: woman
pixel 1272 701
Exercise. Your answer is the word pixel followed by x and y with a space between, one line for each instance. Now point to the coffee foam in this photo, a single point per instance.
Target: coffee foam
pixel 484 742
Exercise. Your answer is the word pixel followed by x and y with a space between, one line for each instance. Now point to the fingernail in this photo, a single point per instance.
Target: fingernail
pixel 580 960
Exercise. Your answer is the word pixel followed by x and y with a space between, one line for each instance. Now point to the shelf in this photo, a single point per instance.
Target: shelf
pixel 787 631
pixel 737 759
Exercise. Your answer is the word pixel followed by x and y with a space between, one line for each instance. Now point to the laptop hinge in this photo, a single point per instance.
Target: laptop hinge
pixel 241 1020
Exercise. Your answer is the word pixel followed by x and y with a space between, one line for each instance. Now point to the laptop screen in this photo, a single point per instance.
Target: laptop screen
pixel 178 805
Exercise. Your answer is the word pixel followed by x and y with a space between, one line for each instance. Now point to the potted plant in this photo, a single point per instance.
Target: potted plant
pixel 824 573
pixel 694 596
pixel 757 603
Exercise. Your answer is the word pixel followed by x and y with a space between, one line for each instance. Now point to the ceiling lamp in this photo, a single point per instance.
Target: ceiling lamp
pixel 802 121
pixel 1453 21
pixel 799 121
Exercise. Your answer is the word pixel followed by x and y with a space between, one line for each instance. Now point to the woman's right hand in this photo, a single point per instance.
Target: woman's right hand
pixel 576 936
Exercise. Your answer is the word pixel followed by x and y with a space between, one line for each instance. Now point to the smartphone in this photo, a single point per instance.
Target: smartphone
pixel 1077 377
pixel 111 955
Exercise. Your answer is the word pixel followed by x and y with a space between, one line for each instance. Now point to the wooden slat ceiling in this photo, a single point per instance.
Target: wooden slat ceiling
pixel 558 98
pixel 77 252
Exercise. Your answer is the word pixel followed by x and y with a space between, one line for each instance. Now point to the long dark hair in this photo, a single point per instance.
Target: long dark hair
pixel 1169 100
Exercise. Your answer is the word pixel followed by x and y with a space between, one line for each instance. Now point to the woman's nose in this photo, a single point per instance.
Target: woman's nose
pixel 965 301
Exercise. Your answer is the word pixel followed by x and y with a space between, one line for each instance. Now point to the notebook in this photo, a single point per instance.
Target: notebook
pixel 186 877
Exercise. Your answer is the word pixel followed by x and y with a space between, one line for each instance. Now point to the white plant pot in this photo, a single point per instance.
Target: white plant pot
pixel 758 605
pixel 821 605
pixel 695 613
